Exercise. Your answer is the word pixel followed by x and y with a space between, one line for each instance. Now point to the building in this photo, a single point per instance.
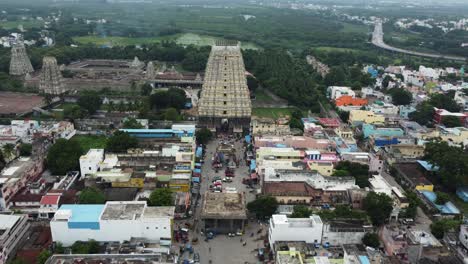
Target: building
pixel 268 126
pixel 283 228
pixel 278 153
pixel 463 236
pixel 411 175
pixel 374 162
pixel 370 130
pixel 113 221
pixel 405 110
pixel 347 101
pixel 225 100
pixel 224 212
pixel 90 163
pixel 12 229
pixel 340 232
pixel 16 176
pixel 440 114
pixel 379 107
pixel 323 168
pixel 157 255
pixel 335 92
pixel 357 117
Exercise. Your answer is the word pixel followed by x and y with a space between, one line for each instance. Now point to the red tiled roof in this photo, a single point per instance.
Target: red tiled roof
pixel 289 189
pixel 50 199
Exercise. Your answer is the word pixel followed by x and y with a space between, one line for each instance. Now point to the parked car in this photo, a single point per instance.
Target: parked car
pixel 196 257
pixel 227 179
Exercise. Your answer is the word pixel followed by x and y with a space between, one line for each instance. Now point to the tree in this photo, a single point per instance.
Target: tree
pixel 64 156
pixel 411 210
pixel 385 81
pixel 401 96
pixel 85 247
pixel 171 114
pixel 252 83
pixel 18 260
pixel 43 256
pixel 451 121
pixel 263 207
pixel 9 150
pixel 58 248
pixel 132 123
pixel 121 142
pixel 25 149
pixel 378 206
pixel 301 211
pixel 146 89
pixel 442 198
pixel 73 112
pixel 371 240
pixel 91 102
pixel 359 171
pixel 161 197
pixel 440 227
pixel 91 195
pixel 173 97
pixel 203 136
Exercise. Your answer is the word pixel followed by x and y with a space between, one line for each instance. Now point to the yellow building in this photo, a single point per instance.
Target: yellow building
pixel 324 168
pixel 268 126
pixel 290 256
pixel 136 181
pixel 363 116
pixel 279 154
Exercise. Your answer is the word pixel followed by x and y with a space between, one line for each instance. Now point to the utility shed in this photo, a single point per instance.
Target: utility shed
pixel 224 212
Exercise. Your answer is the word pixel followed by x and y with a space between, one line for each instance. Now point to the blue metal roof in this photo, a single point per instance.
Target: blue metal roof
pixel 364 259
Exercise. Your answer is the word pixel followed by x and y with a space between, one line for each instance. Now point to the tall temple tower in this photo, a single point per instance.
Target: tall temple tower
pixel 225 99
pixel 50 81
pixel 150 71
pixel 19 62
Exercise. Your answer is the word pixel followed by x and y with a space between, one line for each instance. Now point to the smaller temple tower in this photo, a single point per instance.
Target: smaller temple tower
pixel 19 63
pixel 150 71
pixel 50 81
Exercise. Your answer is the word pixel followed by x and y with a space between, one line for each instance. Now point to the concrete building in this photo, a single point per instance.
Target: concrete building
pixel 224 212
pixel 283 228
pixel 114 221
pixel 12 229
pixel 375 163
pixel 268 126
pixel 440 114
pixel 340 232
pixel 225 100
pixel 379 107
pixel 279 154
pixel 90 163
pixel 370 130
pixel 324 168
pixel 357 117
pixel 335 92
pixel 463 236
pixel 405 110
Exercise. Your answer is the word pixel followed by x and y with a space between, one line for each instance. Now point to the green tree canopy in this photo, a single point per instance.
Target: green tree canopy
pixel 25 149
pixel 146 89
pixel 263 207
pixel 91 102
pixel 91 195
pixel 132 123
pixel 43 256
pixel 442 198
pixel 203 136
pixel 440 227
pixel 121 142
pixel 73 112
pixel 85 247
pixel 359 171
pixel 171 114
pixel 401 96
pixel 371 240
pixel 174 98
pixel 161 197
pixel 301 211
pixel 64 156
pixel 378 206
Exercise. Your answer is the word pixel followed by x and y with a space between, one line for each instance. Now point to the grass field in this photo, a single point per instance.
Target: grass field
pixel 272 112
pixel 354 28
pixel 89 141
pixel 182 39
pixel 26 24
pixel 261 96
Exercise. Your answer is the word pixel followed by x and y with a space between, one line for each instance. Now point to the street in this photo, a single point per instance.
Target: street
pixel 224 249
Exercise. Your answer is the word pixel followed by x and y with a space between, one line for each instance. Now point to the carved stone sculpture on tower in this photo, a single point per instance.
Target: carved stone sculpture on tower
pixel 50 81
pixel 136 63
pixel 150 72
pixel 19 62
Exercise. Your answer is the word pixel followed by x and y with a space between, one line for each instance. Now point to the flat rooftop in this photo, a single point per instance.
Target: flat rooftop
pixel 123 210
pixel 158 211
pixel 8 221
pixel 224 206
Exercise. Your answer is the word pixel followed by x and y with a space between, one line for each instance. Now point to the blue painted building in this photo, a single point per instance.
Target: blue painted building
pixel 405 110
pixel 159 133
pixel 370 130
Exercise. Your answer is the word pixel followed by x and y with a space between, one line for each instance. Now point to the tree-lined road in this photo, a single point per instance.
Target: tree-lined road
pixel 377 40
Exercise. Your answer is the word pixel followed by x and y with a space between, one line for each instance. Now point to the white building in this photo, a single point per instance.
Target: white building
pixel 283 228
pixel 335 92
pixel 463 236
pixel 114 221
pixel 12 230
pixel 383 108
pixel 90 163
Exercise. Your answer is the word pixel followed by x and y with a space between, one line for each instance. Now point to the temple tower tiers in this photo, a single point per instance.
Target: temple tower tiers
pixel 19 62
pixel 50 81
pixel 150 71
pixel 225 99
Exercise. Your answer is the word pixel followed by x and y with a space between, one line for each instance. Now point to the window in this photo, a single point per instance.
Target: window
pixel 225 103
pixel 147 227
pixel 225 87
pixel 225 95
pixel 89 168
pixel 156 228
pixel 224 112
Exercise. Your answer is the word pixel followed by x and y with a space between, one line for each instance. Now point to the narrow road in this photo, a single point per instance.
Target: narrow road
pixel 377 40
